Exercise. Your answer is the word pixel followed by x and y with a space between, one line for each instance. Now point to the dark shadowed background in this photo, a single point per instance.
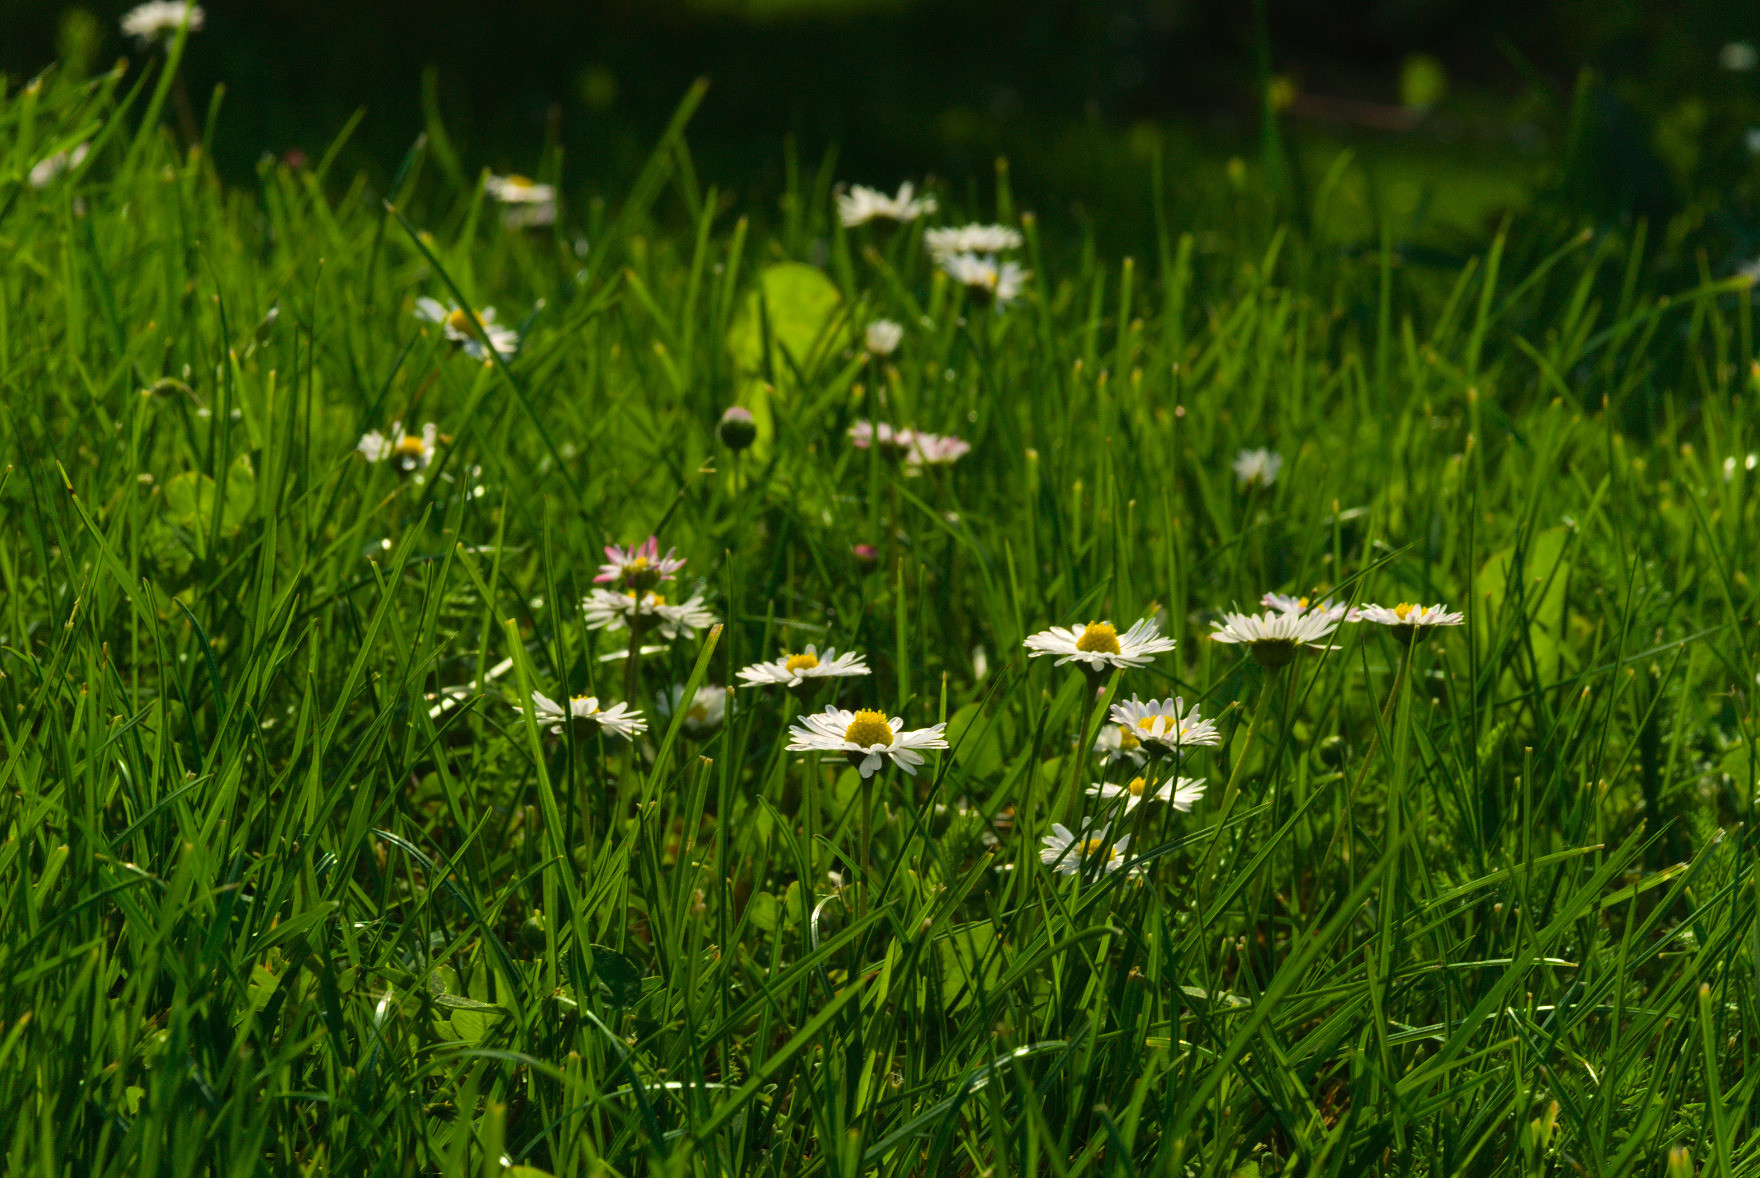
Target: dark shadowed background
pixel 1454 112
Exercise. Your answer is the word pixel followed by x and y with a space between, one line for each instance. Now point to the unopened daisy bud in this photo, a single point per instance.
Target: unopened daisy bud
pixel 866 555
pixel 737 429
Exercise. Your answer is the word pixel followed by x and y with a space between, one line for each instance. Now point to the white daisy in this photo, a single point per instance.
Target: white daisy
pixel 867 738
pixel 1300 605
pixel 1275 636
pixel 1182 793
pixel 794 671
pixel 159 20
pixel 1117 743
pixel 608 609
pixel 986 280
pixel 883 337
pixel 894 444
pixel 1067 854
pixel 707 710
pixel 862 204
pixel 640 566
pixel 1099 647
pixel 1737 57
pixel 935 450
pixel 1412 621
pixel 410 451
pixel 970 239
pixel 1257 467
pixel 525 202
pixel 585 712
pixel 476 339
pixel 46 170
pixel 1164 725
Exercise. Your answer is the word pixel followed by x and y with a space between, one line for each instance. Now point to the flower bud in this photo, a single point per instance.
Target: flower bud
pixel 737 429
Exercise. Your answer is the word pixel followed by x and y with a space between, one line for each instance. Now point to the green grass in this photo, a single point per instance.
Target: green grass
pixel 1481 905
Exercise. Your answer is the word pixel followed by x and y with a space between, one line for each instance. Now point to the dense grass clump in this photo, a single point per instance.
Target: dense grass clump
pixel 301 876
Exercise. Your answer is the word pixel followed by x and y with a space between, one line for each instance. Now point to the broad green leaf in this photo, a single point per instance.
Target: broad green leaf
pixel 806 321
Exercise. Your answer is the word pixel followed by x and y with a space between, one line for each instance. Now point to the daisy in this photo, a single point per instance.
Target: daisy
pixel 935 450
pixel 1411 622
pixel 608 609
pixel 1298 605
pixel 1164 725
pixel 867 738
pixel 1181 793
pixel 640 566
pixel 1737 57
pixel 1257 467
pixel 794 671
pixel 882 337
pixel 970 239
pixel 986 280
pixel 1117 743
pixel 1066 854
pixel 862 204
pixel 707 710
pixel 1275 636
pixel 737 428
pixel 526 202
pixel 1099 647
pixel 584 712
pixel 410 451
pixel 46 170
pixel 160 20
pixel 476 339
pixel 893 443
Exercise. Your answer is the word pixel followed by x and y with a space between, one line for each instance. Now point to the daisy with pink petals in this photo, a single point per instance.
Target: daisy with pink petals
pixel 892 443
pixel 640 566
pixel 935 450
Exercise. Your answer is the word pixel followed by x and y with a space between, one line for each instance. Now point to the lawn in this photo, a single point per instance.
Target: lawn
pixel 364 815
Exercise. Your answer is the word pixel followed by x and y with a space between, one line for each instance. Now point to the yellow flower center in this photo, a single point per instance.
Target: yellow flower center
pixel 1147 723
pixel 697 714
pixel 1137 786
pixel 408 446
pixel 460 322
pixel 1098 638
pixel 576 699
pixel 518 181
pixel 1100 847
pixel 1302 601
pixel 869 729
pixel 1127 740
pixel 800 662
pixel 1403 610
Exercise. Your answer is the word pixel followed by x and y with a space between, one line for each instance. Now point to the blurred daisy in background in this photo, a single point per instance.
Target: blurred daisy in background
pixel 1099 647
pixel 1182 793
pixel 47 170
pixel 935 450
pixel 707 710
pixel 1275 637
pixel 1257 467
pixel 985 279
pixel 642 611
pixel 524 202
pixel 160 20
pixel 970 239
pixel 862 204
pixel 640 566
pixel 795 671
pixel 1408 621
pixel 867 738
pixel 883 337
pixel 893 443
pixel 1067 853
pixel 1164 725
pixel 475 338
pixel 585 714
pixel 411 452
pixel 1302 605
